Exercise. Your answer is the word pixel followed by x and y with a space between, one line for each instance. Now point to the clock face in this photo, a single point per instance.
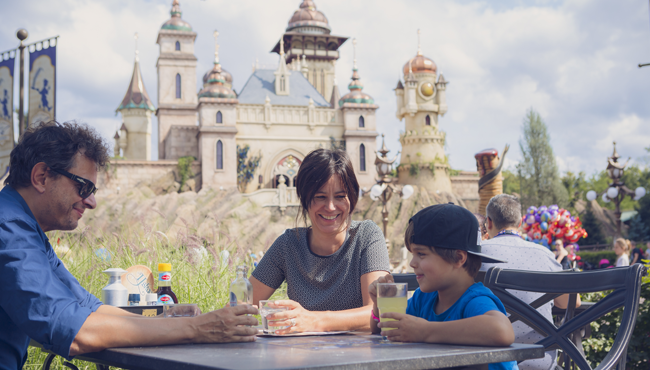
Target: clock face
pixel 427 89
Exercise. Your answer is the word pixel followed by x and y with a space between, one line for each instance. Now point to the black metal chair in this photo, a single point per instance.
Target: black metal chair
pixel 625 286
pixel 407 278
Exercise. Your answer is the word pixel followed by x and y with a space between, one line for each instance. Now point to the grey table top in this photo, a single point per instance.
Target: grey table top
pixel 356 351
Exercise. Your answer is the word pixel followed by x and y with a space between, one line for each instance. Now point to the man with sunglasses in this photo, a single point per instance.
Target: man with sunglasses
pixel 50 185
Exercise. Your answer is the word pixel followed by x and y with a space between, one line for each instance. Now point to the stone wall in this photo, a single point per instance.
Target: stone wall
pixel 465 184
pixel 122 175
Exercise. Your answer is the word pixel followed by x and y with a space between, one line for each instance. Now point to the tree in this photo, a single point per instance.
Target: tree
pixel 538 174
pixel 638 230
pixel 576 186
pixel 510 183
pixel 246 167
pixel 591 225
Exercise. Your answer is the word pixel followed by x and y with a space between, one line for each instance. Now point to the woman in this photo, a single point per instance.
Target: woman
pixel 622 248
pixel 561 255
pixel 328 265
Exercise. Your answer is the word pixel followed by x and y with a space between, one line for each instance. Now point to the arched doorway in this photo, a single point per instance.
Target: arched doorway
pixel 288 168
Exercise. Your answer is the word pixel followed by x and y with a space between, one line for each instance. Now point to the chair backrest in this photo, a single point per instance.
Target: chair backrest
pixel 625 286
pixel 407 278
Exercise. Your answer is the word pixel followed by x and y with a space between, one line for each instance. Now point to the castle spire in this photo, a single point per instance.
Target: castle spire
pixel 137 56
pixel 136 96
pixel 282 74
pixel 419 46
pixel 176 9
pixel 216 47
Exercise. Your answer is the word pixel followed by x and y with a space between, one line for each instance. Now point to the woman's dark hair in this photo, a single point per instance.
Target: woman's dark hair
pixel 317 168
pixel 56 144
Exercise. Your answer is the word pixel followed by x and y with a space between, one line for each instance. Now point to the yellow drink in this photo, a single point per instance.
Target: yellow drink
pixel 391 304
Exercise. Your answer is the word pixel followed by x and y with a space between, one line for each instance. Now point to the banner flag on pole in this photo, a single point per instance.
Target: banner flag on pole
pixel 6 109
pixel 42 82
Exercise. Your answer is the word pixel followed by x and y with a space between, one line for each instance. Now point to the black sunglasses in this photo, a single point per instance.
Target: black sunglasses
pixel 86 187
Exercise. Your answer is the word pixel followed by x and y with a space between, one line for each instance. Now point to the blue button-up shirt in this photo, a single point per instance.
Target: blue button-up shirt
pixel 39 298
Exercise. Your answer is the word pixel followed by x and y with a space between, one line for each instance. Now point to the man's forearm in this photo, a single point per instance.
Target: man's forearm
pixel 101 330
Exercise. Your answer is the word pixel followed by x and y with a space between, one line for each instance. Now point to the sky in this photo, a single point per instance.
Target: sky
pixel 575 62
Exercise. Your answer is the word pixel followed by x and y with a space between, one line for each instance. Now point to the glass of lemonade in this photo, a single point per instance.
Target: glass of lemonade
pixel 391 297
pixel 268 308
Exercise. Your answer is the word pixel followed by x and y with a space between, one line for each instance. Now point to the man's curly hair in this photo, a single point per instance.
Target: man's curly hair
pixel 56 144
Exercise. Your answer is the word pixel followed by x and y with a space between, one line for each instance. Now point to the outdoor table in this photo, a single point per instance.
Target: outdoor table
pixel 356 351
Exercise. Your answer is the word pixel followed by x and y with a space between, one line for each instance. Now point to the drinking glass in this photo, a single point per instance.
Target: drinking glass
pixel 268 308
pixel 391 297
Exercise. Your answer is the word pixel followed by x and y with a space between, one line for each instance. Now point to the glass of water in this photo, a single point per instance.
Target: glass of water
pixel 269 308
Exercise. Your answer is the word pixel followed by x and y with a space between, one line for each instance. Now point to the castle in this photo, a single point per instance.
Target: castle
pixel 281 114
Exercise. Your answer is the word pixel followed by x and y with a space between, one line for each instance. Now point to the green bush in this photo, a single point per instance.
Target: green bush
pixel 603 332
pixel 595 257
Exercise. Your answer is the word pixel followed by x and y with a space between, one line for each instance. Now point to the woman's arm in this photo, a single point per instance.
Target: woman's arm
pixel 261 291
pixel 352 319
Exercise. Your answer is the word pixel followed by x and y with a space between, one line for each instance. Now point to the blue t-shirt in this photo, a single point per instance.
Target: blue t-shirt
pixel 39 298
pixel 476 301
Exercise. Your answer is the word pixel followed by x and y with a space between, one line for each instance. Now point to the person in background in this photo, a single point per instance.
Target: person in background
pixel 622 248
pixel 50 186
pixel 503 222
pixel 561 254
pixel 448 307
pixel 637 255
pixel 328 265
pixel 482 227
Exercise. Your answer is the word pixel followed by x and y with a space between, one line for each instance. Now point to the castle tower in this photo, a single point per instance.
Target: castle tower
pixel 308 39
pixel 134 139
pixel 217 127
pixel 419 102
pixel 176 66
pixel 357 110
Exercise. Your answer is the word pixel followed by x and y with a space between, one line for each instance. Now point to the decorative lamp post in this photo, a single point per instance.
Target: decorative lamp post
pixel 384 188
pixel 617 190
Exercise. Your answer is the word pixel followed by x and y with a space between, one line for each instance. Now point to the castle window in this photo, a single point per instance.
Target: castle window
pixel 178 46
pixel 362 158
pixel 427 121
pixel 362 122
pixel 219 155
pixel 178 86
pixel 219 117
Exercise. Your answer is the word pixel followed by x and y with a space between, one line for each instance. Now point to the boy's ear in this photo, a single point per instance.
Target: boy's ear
pixel 461 258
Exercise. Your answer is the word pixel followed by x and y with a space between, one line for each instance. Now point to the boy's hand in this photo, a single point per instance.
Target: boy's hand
pixel 372 288
pixel 409 328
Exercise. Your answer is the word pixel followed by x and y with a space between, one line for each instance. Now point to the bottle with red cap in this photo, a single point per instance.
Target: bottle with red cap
pixel 165 293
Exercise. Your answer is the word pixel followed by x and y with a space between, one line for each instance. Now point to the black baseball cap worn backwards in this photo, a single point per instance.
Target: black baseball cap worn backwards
pixel 449 226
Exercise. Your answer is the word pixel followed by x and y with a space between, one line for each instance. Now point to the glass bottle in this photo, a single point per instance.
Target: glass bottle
pixel 241 290
pixel 165 293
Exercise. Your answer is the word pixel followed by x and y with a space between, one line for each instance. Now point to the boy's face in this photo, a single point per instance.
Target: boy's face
pixel 432 272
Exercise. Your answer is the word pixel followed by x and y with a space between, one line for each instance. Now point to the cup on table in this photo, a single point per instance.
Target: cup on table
pixel 181 310
pixel 268 308
pixel 391 297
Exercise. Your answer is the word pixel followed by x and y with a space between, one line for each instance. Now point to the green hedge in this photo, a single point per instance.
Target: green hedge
pixel 595 257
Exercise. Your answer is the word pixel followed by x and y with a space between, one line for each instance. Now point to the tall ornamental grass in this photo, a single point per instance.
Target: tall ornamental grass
pixel 202 270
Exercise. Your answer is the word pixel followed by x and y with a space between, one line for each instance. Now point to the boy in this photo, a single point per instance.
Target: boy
pixel 448 307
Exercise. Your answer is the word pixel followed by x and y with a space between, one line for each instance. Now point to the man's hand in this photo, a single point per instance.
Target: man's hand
pixel 408 328
pixel 372 288
pixel 226 325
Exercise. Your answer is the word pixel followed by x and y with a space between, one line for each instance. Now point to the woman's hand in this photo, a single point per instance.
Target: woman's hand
pixel 296 317
pixel 372 288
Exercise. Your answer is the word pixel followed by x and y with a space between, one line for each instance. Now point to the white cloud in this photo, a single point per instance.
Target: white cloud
pixel 573 61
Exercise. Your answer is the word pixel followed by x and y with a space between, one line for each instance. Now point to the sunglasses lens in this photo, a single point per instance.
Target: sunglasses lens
pixel 86 190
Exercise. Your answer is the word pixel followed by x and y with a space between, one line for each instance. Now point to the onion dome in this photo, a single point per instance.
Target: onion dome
pixel 309 20
pixel 420 64
pixel 215 82
pixel 136 95
pixel 356 95
pixel 176 23
pixel 227 76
